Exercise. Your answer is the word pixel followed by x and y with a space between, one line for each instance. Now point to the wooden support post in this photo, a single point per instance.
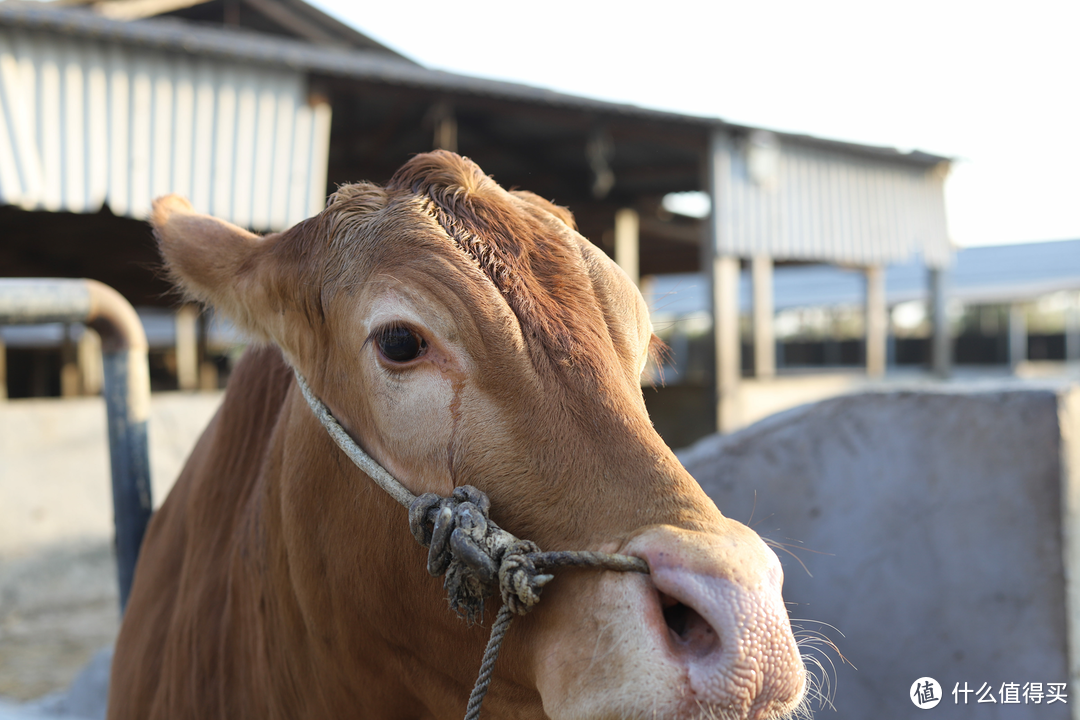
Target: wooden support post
pixel 722 270
pixel 69 367
pixel 941 337
pixel 1018 336
pixel 3 370
pixel 91 372
pixel 728 342
pixel 761 271
pixel 627 242
pixel 187 347
pixel 208 372
pixel 877 322
pixel 445 136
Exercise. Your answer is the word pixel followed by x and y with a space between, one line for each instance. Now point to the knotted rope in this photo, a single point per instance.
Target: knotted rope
pixel 477 556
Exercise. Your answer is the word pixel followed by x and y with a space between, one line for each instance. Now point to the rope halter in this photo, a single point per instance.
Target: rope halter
pixel 476 555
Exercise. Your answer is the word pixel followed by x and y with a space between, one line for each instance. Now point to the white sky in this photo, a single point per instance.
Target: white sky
pixel 996 85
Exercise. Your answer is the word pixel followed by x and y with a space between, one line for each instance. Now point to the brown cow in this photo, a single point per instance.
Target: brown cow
pixel 462 334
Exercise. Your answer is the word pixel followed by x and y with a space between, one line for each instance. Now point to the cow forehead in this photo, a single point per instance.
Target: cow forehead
pixel 399 266
pixel 521 250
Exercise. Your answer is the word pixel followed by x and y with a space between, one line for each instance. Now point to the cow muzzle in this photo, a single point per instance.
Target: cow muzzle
pixel 719 608
pixel 705 635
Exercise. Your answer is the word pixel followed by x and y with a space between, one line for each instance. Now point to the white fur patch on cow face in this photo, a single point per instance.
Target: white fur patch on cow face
pixel 407 414
pixel 410 407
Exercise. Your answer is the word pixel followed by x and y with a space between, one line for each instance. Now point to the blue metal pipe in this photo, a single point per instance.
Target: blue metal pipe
pixel 126 390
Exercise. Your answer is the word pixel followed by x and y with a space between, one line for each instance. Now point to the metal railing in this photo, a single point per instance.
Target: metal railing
pixel 34 301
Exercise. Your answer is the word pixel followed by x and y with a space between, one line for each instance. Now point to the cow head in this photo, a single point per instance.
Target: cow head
pixel 464 334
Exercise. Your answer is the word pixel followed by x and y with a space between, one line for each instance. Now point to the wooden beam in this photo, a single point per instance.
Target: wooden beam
pixel 295 23
pixel 678 177
pixel 877 322
pixel 137 9
pixel 684 232
pixel 627 242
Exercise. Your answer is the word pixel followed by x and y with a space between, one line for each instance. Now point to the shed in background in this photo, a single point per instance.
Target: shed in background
pixel 256 109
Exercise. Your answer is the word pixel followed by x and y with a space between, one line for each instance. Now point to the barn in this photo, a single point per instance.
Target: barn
pixel 256 109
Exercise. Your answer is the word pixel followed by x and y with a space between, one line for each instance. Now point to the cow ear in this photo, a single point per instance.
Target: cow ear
pixel 217 263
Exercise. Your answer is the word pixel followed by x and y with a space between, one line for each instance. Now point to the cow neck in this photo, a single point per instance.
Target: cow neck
pixel 476 555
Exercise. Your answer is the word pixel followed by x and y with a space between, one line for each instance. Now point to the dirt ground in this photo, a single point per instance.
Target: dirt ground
pixel 57 608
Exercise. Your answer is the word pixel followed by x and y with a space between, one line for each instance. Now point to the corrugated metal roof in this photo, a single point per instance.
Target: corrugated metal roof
pixel 165 33
pixel 982 275
pixel 296 17
pixel 819 203
pixel 84 122
pixel 378 67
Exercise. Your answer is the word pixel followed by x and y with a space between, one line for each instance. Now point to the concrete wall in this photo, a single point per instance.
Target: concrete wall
pixel 54 465
pixel 930 527
pixel 58 596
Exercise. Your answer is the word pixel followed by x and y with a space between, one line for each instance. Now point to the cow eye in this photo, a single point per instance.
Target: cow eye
pixel 399 344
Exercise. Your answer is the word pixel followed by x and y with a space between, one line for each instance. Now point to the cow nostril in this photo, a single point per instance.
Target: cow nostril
pixel 689 631
pixel 675 614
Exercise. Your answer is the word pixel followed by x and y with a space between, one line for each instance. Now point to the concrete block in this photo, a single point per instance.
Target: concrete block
pixel 926 534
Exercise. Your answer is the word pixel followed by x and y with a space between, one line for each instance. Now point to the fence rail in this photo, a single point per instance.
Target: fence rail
pixel 33 301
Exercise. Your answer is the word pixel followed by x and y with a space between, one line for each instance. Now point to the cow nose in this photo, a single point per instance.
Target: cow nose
pixel 688 632
pixel 719 608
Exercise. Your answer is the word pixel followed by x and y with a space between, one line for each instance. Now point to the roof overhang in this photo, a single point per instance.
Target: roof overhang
pixel 179 36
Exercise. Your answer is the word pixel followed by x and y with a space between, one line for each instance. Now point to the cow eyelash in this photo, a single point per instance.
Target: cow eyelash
pixel 398 344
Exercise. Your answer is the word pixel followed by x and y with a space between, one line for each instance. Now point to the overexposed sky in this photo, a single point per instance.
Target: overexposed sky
pixel 995 85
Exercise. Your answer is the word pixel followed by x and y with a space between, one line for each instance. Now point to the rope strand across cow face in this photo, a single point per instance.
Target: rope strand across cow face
pixel 475 554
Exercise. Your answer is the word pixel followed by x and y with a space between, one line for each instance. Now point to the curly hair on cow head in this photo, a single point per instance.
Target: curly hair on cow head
pixel 525 245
